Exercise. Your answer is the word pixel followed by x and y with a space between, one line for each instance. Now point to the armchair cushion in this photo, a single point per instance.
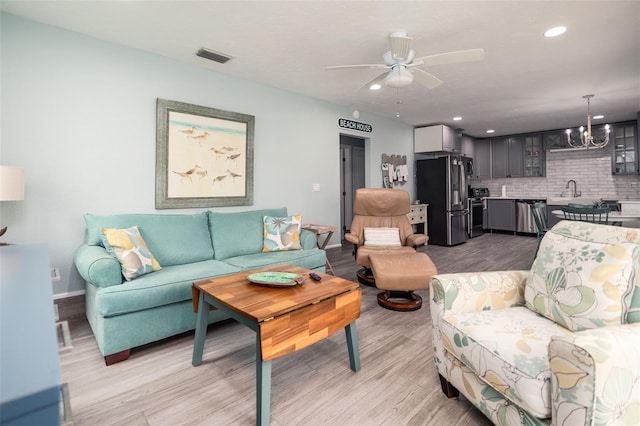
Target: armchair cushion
pixel 508 351
pixel 582 281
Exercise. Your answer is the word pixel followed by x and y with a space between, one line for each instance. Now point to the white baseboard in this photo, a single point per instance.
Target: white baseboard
pixel 330 246
pixel 69 294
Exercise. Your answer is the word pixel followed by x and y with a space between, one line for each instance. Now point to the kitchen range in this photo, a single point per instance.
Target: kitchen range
pixel 477 209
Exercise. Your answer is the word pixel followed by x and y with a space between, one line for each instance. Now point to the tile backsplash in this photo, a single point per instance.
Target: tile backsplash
pixel 590 169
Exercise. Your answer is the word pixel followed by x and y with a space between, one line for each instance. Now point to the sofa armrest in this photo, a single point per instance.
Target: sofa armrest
pixel 97 266
pixel 308 239
pixel 595 376
pixel 416 240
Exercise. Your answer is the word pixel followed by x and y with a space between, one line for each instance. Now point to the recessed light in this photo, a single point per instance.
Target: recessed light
pixel 490 131
pixel 555 31
pixel 457 118
pixel 375 87
pixel 598 117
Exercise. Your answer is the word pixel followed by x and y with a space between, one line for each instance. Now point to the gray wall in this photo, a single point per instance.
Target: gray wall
pixel 79 115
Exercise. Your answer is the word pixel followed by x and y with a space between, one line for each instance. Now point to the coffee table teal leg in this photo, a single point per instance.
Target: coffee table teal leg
pixel 263 387
pixel 201 330
pixel 352 345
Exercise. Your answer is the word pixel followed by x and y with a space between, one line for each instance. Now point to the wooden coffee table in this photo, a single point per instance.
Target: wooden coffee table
pixel 285 319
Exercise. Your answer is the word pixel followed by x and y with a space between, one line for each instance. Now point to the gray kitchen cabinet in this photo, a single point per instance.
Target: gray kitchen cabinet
pixel 501 215
pixel 555 139
pixel 507 157
pixel 624 142
pixel 482 159
pixel 439 138
pixel 468 146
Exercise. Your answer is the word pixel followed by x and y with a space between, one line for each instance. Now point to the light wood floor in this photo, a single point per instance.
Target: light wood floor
pixel 397 384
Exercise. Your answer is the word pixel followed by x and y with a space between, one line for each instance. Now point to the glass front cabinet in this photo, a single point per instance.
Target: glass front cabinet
pixel 533 156
pixel 623 139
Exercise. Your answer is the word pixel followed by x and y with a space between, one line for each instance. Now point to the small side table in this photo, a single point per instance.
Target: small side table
pixel 327 230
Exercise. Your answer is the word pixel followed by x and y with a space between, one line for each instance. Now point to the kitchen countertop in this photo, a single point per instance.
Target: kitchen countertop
pixel 515 198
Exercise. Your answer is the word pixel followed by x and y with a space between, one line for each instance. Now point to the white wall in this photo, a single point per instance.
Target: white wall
pixel 79 115
pixel 590 169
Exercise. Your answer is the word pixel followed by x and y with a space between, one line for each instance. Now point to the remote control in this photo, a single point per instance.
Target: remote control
pixel 315 276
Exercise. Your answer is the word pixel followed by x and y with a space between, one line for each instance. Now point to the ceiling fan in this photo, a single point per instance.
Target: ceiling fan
pixel 402 66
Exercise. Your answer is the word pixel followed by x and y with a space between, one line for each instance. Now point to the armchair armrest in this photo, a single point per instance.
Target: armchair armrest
pixel 416 240
pixel 595 376
pixel 477 291
pixel 97 266
pixel 352 238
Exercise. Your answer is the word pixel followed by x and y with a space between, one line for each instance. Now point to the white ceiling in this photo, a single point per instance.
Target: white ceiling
pixel 526 82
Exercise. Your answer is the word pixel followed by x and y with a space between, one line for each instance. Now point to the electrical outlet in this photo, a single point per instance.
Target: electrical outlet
pixel 316 187
pixel 55 274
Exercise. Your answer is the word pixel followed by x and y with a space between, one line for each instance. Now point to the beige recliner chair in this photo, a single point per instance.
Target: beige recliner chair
pixel 385 248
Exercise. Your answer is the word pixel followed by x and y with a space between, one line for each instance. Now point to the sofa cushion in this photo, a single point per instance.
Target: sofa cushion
pixel 507 348
pixel 583 279
pixel 240 233
pixel 309 259
pixel 174 239
pixel 281 233
pixel 169 285
pixel 128 246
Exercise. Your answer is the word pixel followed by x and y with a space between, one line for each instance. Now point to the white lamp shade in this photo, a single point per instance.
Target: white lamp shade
pixel 11 183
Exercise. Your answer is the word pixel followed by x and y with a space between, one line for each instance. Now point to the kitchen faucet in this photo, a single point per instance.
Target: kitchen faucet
pixel 575 188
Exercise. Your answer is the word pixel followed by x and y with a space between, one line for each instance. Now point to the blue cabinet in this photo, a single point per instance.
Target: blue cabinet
pixel 29 363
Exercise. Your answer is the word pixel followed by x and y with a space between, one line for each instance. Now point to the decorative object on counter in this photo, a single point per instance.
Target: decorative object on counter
pixel 587 139
pixel 394 170
pixel 11 187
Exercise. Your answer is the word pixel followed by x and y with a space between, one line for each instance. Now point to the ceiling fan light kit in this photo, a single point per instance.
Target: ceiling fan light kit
pixel 402 67
pixel 398 77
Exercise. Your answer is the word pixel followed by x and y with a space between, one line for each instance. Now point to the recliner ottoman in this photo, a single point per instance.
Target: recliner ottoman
pixel 400 275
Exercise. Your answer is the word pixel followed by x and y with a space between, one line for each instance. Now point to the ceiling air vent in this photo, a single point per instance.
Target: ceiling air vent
pixel 213 55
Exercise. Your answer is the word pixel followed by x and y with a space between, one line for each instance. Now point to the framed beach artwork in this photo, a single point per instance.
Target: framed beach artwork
pixel 204 156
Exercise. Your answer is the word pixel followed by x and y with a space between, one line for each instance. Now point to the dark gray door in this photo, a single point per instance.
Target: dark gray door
pixel 352 176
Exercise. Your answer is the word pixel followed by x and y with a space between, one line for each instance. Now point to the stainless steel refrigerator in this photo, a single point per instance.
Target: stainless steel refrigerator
pixel 442 183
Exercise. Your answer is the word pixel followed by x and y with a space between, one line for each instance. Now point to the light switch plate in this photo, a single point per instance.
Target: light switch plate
pixel 55 274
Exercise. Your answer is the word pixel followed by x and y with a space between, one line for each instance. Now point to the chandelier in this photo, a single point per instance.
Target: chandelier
pixel 586 137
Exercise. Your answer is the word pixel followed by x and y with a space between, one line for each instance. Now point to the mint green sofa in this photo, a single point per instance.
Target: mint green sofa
pixel 125 314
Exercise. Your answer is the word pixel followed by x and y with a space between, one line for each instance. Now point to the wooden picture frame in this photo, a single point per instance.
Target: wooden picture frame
pixel 204 156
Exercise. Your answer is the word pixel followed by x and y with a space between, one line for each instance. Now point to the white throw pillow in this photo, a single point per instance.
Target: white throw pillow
pixel 382 237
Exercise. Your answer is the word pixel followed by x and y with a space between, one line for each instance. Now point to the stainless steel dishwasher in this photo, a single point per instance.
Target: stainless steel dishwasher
pixel 524 218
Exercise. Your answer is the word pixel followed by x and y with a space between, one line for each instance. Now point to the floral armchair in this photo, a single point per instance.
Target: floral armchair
pixel 559 344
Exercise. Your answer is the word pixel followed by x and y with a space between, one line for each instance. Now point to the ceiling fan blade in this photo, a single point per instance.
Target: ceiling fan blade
pixel 470 55
pixel 425 78
pixel 400 45
pixel 377 79
pixel 342 67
